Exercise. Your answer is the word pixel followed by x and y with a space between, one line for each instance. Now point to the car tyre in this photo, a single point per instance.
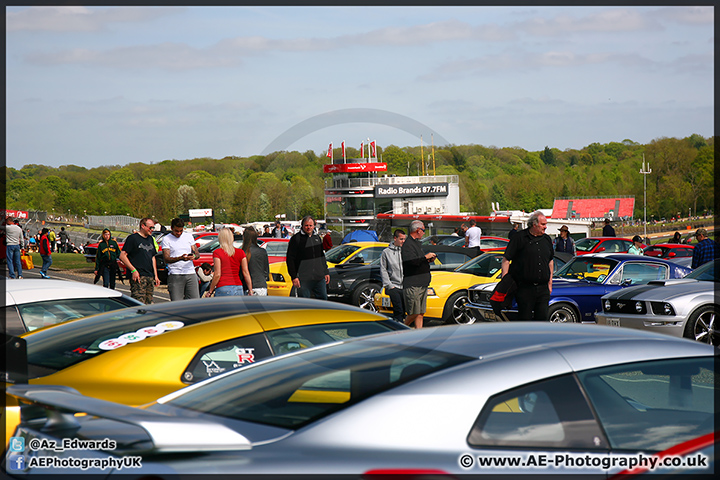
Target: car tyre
pixel 364 296
pixel 702 326
pixel 455 312
pixel 562 313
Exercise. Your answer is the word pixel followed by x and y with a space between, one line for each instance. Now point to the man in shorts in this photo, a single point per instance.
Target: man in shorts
pixel 416 274
pixel 138 256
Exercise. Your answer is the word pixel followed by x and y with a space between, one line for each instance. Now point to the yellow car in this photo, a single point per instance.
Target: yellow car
pixel 359 253
pixel 136 355
pixel 448 291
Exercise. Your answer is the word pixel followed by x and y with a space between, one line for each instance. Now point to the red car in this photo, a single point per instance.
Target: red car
pixel 669 250
pixel 603 244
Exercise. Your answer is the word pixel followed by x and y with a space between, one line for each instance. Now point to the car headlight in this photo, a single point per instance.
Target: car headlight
pixel 662 308
pixel 431 292
pixel 606 306
pixel 638 307
pixel 278 277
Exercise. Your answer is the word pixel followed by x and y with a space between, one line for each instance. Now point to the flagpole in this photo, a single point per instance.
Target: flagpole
pixel 432 140
pixel 422 156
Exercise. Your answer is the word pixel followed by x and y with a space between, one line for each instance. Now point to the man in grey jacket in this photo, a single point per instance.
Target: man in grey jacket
pixel 392 274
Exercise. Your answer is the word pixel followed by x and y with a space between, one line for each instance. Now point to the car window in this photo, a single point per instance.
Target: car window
pixel 222 357
pixel 704 272
pixel 276 248
pixel 340 253
pixel 451 259
pixel 485 265
pixel 368 255
pixel 585 244
pixel 639 273
pixel 42 314
pixel 295 338
pixel 682 252
pixel 614 246
pixel 295 390
pixel 653 405
pixel 587 268
pixel 493 243
pixel 549 414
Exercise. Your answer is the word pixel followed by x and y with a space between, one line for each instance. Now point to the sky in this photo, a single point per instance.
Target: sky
pixel 93 86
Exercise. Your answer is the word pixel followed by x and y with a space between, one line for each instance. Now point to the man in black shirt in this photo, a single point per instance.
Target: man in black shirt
pixel 416 274
pixel 306 262
pixel 531 253
pixel 138 256
pixel 608 230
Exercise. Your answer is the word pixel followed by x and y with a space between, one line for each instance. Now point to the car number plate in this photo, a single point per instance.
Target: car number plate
pixel 489 315
pixel 613 322
pixel 385 301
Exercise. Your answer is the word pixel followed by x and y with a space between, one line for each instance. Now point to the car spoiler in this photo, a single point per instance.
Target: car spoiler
pixel 167 434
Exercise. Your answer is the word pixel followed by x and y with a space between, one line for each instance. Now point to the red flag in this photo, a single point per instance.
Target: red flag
pixel 330 150
pixel 343 149
pixel 362 150
pixel 372 148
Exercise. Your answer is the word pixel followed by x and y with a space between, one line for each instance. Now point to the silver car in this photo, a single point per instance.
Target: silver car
pixel 513 397
pixel 684 307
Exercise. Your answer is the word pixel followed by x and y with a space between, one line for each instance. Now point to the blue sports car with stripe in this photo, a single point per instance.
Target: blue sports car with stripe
pixel 579 286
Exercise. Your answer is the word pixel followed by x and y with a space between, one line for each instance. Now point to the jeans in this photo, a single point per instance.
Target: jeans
pixel 398 303
pixel 47 261
pixel 182 287
pixel 532 301
pixel 313 289
pixel 203 288
pixel 229 291
pixel 14 264
pixel 108 276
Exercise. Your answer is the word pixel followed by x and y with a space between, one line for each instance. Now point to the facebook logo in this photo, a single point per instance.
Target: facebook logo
pixel 16 462
pixel 17 444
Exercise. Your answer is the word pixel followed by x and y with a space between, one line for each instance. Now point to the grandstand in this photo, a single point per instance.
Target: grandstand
pixel 594 208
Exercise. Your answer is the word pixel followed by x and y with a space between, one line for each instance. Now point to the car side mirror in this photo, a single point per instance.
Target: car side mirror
pixel 672 254
pixel 601 249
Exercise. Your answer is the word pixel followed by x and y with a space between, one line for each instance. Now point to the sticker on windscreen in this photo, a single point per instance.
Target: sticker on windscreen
pixel 139 335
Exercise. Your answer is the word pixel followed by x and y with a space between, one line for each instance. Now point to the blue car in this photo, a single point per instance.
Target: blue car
pixel 580 284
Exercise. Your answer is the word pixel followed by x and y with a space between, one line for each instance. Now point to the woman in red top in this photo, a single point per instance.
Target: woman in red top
pixel 45 253
pixel 228 263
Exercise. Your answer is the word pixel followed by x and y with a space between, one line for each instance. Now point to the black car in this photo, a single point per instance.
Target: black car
pixel 358 284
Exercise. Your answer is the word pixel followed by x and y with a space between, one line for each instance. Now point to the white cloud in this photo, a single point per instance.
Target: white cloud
pixel 619 20
pixel 80 19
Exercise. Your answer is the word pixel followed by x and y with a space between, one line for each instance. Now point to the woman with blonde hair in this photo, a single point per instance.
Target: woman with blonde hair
pixel 228 262
pixel 258 264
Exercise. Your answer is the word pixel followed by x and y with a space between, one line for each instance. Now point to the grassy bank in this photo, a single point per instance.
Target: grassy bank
pixel 65 261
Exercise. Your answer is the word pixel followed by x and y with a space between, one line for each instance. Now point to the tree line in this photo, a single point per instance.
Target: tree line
pixel 256 188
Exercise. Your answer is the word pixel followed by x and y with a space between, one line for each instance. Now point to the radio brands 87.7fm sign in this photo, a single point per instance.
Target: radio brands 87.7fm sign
pixel 412 190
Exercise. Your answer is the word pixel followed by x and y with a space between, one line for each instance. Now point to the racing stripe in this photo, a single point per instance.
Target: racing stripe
pixel 629 295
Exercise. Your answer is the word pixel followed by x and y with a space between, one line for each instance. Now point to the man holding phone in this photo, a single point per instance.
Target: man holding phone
pixel 179 250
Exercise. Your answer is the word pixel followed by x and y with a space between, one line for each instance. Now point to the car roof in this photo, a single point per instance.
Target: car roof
pixel 202 310
pixel 672 245
pixel 584 346
pixel 19 292
pixel 605 238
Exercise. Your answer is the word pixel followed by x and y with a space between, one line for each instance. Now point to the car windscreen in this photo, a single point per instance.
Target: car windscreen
pixel 42 314
pixel 276 248
pixel 705 272
pixel 485 265
pixel 587 268
pixel 60 347
pixel 293 391
pixel 585 244
pixel 340 253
